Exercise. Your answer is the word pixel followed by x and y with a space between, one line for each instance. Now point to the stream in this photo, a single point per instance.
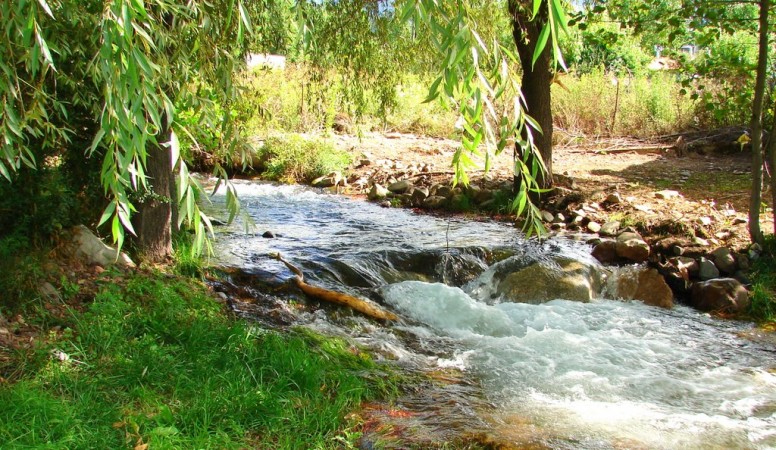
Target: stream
pixel 560 374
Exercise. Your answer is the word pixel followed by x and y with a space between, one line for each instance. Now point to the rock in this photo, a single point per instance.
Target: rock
pixel 632 247
pixel 700 242
pixel 332 179
pixel 400 187
pixel 704 220
pixel 444 191
pixel 610 228
pixel 268 234
pixel 724 295
pixel 606 252
pixel 707 270
pixel 724 260
pixel 547 216
pixel 688 267
pixel 613 199
pixel 646 285
pixel 434 202
pixel 754 251
pixel 559 279
pixel 91 250
pixel 742 277
pixel 48 291
pixel 418 195
pixel 483 196
pixel 377 192
pixel 594 227
pixel 559 218
pixel 667 194
pixel 488 204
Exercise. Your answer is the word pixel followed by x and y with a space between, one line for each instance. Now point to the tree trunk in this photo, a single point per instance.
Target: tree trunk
pixel 153 221
pixel 757 127
pixel 536 82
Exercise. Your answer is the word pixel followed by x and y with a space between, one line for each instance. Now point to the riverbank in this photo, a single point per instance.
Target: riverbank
pixel 146 360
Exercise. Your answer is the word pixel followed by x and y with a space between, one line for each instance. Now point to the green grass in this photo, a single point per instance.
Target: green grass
pixel 294 158
pixel 155 360
pixel 763 274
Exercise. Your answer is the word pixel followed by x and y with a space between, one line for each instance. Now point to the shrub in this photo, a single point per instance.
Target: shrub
pixel 291 158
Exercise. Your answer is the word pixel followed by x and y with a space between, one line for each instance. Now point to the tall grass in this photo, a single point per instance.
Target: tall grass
pixel 154 361
pixel 643 105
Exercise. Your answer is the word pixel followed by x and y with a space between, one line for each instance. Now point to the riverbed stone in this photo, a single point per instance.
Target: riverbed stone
pixel 332 179
pixel 443 190
pixel 543 281
pixel 606 252
pixel 646 285
pixel 434 202
pixel 724 260
pixel 610 228
pixel 593 227
pixel 418 195
pixel 400 187
pixel 631 246
pixel 706 269
pixel 725 295
pixel 483 196
pixel 547 216
pixel 378 192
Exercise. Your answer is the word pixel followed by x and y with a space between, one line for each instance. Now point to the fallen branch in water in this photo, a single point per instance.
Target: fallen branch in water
pixel 360 305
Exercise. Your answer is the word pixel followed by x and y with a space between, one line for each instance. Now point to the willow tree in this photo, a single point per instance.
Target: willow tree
pixel 126 65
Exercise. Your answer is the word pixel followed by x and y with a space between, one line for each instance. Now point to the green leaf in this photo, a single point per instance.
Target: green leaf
pixel 536 5
pixel 541 43
pixel 109 210
pixel 46 8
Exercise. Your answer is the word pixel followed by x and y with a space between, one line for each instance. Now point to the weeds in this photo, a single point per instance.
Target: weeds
pixel 293 158
pixel 155 361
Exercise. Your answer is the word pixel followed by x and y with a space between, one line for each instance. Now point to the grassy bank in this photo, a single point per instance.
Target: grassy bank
pixel 154 360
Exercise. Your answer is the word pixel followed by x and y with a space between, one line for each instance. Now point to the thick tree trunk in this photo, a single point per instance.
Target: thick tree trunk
pixel 757 126
pixel 153 221
pixel 536 82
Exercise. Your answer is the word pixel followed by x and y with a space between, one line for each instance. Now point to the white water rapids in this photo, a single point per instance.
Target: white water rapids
pixel 606 374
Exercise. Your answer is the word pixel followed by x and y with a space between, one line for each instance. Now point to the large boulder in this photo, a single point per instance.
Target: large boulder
pixel 543 281
pixel 646 285
pixel 90 249
pixel 632 246
pixel 400 187
pixel 605 252
pixel 725 295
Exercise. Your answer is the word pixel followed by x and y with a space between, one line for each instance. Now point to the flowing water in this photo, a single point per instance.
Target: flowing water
pixel 605 374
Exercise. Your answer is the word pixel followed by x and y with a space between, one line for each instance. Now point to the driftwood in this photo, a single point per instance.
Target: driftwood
pixel 360 305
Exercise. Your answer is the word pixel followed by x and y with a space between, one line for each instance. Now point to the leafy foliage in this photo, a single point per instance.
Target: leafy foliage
pixel 127 65
pixel 294 158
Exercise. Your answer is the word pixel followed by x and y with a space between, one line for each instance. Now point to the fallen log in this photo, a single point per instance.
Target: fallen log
pixel 339 298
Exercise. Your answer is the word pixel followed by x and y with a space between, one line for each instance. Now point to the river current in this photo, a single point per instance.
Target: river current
pixel 605 374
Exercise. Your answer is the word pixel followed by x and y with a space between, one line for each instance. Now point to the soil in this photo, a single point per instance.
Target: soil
pixel 713 188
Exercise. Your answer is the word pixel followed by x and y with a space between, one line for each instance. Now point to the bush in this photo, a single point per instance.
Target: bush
pixel 763 307
pixel 292 158
pixel 647 105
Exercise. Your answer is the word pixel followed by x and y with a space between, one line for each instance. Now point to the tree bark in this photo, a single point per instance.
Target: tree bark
pixel 756 126
pixel 154 218
pixel 536 83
